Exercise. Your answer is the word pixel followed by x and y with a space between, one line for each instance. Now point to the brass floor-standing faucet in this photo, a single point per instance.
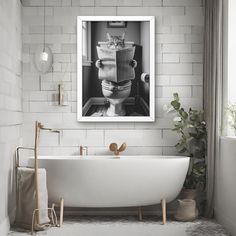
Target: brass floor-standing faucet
pixel 36 223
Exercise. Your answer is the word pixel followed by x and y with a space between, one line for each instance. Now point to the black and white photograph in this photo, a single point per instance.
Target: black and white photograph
pixel 116 69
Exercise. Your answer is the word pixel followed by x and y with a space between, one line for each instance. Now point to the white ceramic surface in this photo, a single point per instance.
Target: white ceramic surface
pixel 103 181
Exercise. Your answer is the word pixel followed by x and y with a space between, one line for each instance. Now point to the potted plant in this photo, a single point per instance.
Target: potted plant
pixel 191 127
pixel 231 109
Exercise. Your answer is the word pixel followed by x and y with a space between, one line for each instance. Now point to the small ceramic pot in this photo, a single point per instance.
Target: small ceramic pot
pixel 186 210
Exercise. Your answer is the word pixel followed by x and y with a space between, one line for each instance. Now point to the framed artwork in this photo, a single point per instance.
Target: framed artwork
pixel 115 68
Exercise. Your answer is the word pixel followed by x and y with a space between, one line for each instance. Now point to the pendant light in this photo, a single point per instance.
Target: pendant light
pixel 43 54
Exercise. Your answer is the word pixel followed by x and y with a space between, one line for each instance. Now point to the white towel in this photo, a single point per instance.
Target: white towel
pixel 26 197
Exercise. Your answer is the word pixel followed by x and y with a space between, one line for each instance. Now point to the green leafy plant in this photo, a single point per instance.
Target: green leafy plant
pixel 192 129
pixel 231 109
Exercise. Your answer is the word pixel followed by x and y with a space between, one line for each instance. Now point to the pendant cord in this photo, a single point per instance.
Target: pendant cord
pixel 44 26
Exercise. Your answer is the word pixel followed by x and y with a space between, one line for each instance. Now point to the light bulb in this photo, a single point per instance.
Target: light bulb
pixel 44 56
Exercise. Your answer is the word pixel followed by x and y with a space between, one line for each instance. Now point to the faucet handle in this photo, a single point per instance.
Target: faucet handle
pixel 113 147
pixel 122 147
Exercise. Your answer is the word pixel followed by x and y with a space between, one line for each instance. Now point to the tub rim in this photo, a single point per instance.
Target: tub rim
pixel 110 157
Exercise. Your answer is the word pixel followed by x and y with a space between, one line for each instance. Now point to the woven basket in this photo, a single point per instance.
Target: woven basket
pixel 186 210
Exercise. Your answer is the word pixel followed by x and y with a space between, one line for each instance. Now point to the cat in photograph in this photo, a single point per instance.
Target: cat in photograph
pixel 115 43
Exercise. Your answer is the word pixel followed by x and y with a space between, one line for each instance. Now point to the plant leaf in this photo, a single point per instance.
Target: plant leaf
pixel 175 104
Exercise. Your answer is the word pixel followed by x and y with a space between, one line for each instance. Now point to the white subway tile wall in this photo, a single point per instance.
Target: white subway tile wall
pixel 179 53
pixel 10 103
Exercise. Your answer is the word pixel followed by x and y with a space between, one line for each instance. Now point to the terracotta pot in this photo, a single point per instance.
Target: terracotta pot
pixel 186 210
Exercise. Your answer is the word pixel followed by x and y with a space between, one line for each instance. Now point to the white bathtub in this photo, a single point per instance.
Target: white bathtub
pixel 103 181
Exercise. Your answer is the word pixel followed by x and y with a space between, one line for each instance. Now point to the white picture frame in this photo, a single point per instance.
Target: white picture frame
pixel 82 64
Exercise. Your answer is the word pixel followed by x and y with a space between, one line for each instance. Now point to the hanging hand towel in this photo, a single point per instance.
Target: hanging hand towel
pixel 26 197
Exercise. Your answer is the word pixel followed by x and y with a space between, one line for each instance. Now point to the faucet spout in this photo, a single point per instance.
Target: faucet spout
pixel 83 150
pixel 41 126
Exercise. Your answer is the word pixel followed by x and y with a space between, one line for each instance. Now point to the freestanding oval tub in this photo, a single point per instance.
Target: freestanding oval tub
pixel 104 181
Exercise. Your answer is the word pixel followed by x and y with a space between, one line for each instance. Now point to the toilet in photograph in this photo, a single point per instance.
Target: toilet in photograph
pixel 116 94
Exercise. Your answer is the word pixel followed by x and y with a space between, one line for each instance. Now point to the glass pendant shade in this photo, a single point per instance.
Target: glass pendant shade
pixel 43 59
pixel 43 54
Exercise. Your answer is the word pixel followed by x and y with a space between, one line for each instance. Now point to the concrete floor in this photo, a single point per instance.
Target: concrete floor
pixel 128 226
